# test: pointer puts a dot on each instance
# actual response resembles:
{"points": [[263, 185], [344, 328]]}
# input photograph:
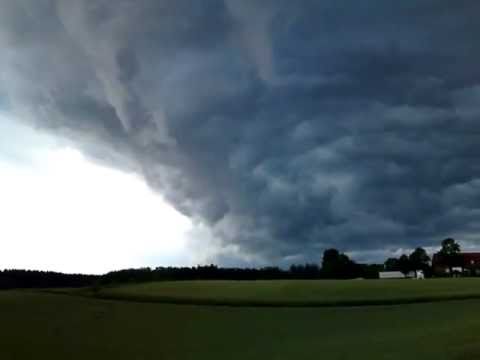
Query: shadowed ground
{"points": [[48, 326]]}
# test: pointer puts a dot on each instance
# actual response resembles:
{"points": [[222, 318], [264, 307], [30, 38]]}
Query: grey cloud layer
{"points": [[285, 126]]}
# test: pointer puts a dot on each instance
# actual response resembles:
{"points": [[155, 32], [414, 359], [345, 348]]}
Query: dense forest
{"points": [[10, 279]]}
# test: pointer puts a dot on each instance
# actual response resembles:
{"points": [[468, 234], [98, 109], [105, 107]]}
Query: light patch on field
{"points": [[61, 212]]}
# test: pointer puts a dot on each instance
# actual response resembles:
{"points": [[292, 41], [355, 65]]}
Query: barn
{"points": [[391, 275], [465, 262], [399, 275]]}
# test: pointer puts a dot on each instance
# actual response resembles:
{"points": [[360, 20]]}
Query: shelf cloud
{"points": [[283, 127]]}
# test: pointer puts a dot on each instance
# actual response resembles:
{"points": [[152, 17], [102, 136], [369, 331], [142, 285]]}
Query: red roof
{"points": [[466, 258], [472, 258]]}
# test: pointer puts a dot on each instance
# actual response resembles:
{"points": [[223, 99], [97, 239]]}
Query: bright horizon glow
{"points": [[61, 212]]}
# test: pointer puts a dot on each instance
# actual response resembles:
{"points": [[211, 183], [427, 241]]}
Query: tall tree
{"points": [[450, 253], [338, 265], [330, 261], [404, 264], [419, 259]]}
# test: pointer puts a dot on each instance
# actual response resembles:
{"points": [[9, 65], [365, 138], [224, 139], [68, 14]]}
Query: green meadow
{"points": [[78, 325], [298, 292]]}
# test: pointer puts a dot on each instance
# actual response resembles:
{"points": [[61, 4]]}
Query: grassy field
{"points": [[38, 325], [299, 293]]}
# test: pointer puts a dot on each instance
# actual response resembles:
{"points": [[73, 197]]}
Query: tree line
{"points": [[10, 279], [214, 272], [334, 265]]}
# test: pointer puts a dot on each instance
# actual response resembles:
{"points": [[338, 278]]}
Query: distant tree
{"points": [[404, 264], [370, 271], [330, 258], [391, 264], [337, 265], [307, 271], [331, 263], [419, 259], [450, 253], [450, 247]]}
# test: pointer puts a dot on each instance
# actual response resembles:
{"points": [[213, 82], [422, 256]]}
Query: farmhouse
{"points": [[463, 262]]}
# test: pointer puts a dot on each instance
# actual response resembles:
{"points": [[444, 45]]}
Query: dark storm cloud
{"points": [[286, 127]]}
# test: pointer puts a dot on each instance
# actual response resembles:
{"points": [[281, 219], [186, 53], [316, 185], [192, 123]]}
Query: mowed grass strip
{"points": [[298, 293]]}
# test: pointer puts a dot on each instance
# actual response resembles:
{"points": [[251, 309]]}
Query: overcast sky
{"points": [[235, 131]]}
